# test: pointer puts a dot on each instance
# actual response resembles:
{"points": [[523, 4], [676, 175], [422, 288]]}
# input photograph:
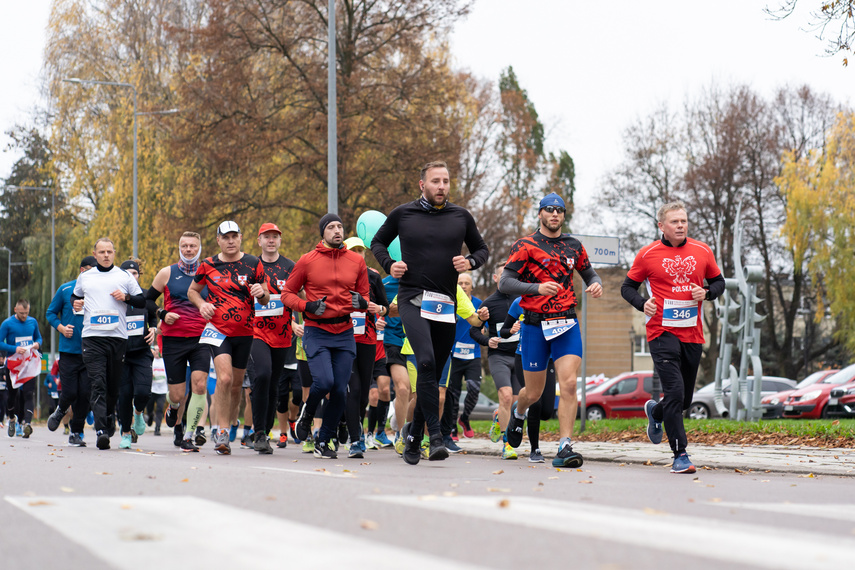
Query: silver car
{"points": [[703, 401]]}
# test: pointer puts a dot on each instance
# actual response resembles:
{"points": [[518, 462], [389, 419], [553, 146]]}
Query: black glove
{"points": [[358, 302], [317, 307]]}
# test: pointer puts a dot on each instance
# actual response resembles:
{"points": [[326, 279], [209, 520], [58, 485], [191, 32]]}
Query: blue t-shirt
{"points": [[463, 341], [394, 331], [515, 311], [14, 333], [61, 312]]}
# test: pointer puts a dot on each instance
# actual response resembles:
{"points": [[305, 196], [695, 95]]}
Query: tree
{"points": [[834, 21]]}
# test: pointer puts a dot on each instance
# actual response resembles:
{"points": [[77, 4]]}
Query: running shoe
{"points": [[425, 449], [157, 430], [437, 450], [410, 447], [55, 419], [536, 456], [66, 430], [399, 444], [382, 440], [654, 428], [283, 440], [369, 442], [28, 431], [11, 427], [221, 443], [342, 432], [514, 434], [467, 429], [76, 440], [356, 451], [103, 440], [246, 440], [178, 432], [292, 426], [454, 436], [567, 457], [139, 423], [19, 431], [200, 436], [90, 418], [323, 450], [261, 443], [126, 441], [233, 431], [304, 424], [508, 452], [308, 446], [187, 446], [495, 430], [170, 416], [111, 425], [450, 445], [134, 436], [682, 464]]}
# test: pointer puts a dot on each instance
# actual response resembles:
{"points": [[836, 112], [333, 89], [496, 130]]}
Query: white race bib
{"points": [[274, 308], [104, 320], [682, 314], [381, 335], [24, 341], [464, 350], [136, 325], [80, 312], [553, 328], [513, 338], [437, 307], [358, 320], [210, 335]]}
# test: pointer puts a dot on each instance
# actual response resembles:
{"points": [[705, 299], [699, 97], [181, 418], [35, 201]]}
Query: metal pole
{"points": [[52, 270], [136, 242], [332, 134], [9, 284]]}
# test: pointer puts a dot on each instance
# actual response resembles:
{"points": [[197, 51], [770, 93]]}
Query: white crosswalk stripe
{"points": [[129, 530], [714, 539]]}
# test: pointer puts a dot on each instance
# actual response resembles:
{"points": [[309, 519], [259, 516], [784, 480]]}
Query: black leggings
{"points": [[677, 364], [544, 408], [103, 358], [23, 401], [135, 389], [431, 342], [268, 363], [75, 389], [358, 387]]}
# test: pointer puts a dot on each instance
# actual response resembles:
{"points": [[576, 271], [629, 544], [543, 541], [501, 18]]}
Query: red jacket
{"points": [[331, 272]]}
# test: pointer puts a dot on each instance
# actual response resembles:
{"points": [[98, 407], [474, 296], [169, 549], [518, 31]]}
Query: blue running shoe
{"points": [[90, 418], [19, 431], [682, 464], [654, 428], [126, 441], [233, 431], [139, 423], [566, 457], [382, 440]]}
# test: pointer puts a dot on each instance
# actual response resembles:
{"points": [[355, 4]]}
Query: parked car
{"points": [[484, 407], [620, 397], [811, 402], [841, 401], [703, 401], [773, 406]]}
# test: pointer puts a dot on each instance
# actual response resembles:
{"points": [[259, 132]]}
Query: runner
{"points": [[234, 280], [540, 268], [336, 284], [102, 293], [432, 231], [379, 395], [396, 363], [674, 269], [181, 325], [159, 388], [271, 337], [20, 337], [75, 381], [135, 388]]}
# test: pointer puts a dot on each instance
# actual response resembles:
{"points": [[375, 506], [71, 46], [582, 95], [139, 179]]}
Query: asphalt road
{"points": [[85, 508]]}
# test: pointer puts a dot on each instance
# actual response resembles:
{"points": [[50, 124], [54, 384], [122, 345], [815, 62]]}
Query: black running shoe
{"points": [[342, 432], [304, 424], [323, 450], [178, 430], [200, 436], [261, 443], [103, 440], [412, 447], [170, 416], [514, 432], [450, 445], [187, 446], [438, 452], [55, 419], [76, 440], [567, 457]]}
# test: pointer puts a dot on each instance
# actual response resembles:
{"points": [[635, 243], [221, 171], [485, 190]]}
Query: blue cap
{"points": [[552, 199]]}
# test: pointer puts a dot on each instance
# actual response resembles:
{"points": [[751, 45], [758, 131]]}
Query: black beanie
{"points": [[327, 220], [130, 264]]}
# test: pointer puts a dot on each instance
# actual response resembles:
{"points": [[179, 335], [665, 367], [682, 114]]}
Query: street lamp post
{"points": [[8, 283], [52, 254]]}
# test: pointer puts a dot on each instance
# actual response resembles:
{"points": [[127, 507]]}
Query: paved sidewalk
{"points": [[761, 458]]}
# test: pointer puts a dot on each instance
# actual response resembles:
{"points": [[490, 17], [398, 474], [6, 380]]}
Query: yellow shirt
{"points": [[465, 309]]}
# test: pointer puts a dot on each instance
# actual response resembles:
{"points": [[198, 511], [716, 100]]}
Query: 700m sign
{"points": [[601, 249]]}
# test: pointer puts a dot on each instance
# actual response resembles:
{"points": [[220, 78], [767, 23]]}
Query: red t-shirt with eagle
{"points": [[228, 290], [669, 273]]}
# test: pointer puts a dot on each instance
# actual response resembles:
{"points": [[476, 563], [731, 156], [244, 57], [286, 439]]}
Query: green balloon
{"points": [[368, 224]]}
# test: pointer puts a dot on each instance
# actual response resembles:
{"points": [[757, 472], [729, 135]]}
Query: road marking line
{"points": [[323, 473], [123, 531], [834, 511], [714, 539]]}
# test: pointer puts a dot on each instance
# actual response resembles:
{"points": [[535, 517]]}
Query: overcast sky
{"points": [[590, 68]]}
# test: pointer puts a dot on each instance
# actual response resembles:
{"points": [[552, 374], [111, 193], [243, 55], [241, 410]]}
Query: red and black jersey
{"points": [[228, 285], [275, 331], [538, 259]]}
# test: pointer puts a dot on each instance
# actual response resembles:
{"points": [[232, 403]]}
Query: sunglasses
{"points": [[552, 209]]}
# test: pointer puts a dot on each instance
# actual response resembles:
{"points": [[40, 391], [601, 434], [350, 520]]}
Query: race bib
{"points": [[210, 335], [437, 307], [553, 328], [54, 395], [513, 338], [24, 341], [136, 325], [358, 320], [464, 350], [2, 384], [104, 320], [679, 313], [274, 308], [381, 335], [80, 312]]}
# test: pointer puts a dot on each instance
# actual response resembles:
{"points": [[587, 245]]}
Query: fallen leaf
{"points": [[648, 463], [649, 511], [270, 498], [764, 480], [126, 507], [454, 485], [716, 500], [135, 536], [102, 473], [449, 494], [835, 423], [499, 472], [540, 483], [622, 465], [368, 525], [39, 503], [808, 476], [66, 489], [585, 482], [365, 463], [504, 504], [739, 471], [553, 477], [497, 490], [185, 480]]}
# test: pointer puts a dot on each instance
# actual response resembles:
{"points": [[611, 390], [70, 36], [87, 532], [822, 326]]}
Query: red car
{"points": [[623, 396], [841, 402], [773, 405], [811, 401]]}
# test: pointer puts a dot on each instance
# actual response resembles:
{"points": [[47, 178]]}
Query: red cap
{"points": [[269, 227]]}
